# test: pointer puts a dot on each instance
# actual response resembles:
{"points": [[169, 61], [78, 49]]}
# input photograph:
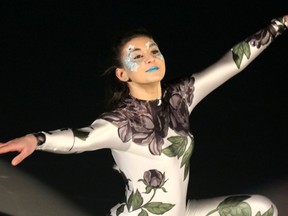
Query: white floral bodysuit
{"points": [[150, 140]]}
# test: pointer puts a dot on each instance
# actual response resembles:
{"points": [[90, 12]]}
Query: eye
{"points": [[136, 57], [155, 52]]}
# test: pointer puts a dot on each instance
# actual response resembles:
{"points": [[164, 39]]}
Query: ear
{"points": [[121, 74]]}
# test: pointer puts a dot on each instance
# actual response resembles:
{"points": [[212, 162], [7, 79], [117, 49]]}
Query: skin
{"points": [[142, 53], [142, 85], [24, 145]]}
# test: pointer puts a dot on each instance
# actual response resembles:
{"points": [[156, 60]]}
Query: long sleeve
{"points": [[100, 134], [103, 134], [235, 60]]}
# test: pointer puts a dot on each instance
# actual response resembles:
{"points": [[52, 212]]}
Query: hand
{"points": [[286, 18], [25, 145]]}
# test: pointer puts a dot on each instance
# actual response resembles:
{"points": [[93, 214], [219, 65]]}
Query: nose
{"points": [[149, 59]]}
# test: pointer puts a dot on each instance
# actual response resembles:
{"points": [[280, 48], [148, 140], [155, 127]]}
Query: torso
{"points": [[155, 165]]}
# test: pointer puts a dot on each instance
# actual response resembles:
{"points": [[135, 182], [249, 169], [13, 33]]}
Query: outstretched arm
{"points": [[234, 61], [101, 134]]}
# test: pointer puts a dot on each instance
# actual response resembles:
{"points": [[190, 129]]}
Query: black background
{"points": [[52, 56]]}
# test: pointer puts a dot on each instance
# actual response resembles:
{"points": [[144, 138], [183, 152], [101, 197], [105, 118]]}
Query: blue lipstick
{"points": [[152, 69]]}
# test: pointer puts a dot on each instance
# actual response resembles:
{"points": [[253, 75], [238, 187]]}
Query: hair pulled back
{"points": [[117, 90]]}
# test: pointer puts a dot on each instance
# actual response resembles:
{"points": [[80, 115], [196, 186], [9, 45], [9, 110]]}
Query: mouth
{"points": [[152, 69]]}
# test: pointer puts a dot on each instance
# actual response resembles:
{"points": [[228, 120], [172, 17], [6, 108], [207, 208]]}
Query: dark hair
{"points": [[117, 90]]}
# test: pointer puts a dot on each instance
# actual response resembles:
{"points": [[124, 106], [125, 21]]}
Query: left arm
{"points": [[234, 61]]}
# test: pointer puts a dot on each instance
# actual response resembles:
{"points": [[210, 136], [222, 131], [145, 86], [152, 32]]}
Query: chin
{"points": [[154, 80]]}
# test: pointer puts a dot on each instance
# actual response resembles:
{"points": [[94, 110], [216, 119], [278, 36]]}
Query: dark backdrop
{"points": [[52, 56]]}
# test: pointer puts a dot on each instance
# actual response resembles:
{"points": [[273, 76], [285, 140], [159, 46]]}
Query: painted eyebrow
{"points": [[135, 49], [138, 49], [153, 44]]}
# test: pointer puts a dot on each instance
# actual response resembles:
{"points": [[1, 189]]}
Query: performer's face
{"points": [[143, 61]]}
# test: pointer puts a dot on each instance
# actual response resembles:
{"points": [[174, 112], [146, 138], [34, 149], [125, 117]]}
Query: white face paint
{"points": [[128, 60], [150, 44], [134, 56]]}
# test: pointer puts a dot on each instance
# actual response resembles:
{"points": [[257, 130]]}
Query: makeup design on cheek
{"points": [[128, 62], [150, 44]]}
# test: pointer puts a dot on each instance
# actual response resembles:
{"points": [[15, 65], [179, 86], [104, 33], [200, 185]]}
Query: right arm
{"points": [[101, 134]]}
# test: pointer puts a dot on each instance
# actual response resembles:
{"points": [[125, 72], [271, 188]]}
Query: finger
{"points": [[18, 159], [4, 148], [10, 147]]}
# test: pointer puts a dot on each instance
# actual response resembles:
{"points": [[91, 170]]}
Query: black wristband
{"points": [[41, 138]]}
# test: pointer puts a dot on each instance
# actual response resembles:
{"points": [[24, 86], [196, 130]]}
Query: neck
{"points": [[146, 92]]}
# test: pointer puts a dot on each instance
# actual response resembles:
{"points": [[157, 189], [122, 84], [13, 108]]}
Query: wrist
{"points": [[40, 138]]}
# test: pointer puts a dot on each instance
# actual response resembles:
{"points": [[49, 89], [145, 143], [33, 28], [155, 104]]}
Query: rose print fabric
{"points": [[147, 122], [158, 129], [151, 141]]}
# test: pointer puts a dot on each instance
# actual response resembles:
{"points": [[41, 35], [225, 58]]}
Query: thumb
{"points": [[18, 159]]}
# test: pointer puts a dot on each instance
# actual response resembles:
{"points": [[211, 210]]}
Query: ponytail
{"points": [[116, 90]]}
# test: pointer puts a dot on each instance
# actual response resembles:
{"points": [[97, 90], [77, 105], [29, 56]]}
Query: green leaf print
{"points": [[148, 189], [158, 208], [120, 209], [143, 213], [269, 212], [178, 148], [135, 200], [239, 50], [80, 134], [233, 206], [186, 161]]}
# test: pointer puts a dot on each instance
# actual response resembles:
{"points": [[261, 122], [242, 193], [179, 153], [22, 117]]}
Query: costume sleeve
{"points": [[235, 60], [100, 134]]}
